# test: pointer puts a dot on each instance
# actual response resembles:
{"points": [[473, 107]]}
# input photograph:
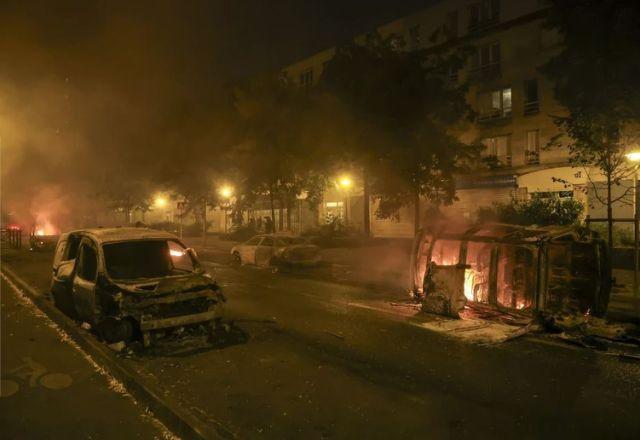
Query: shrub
{"points": [[536, 211]]}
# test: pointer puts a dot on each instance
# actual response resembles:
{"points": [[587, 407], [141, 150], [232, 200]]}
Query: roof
{"points": [[105, 235]]}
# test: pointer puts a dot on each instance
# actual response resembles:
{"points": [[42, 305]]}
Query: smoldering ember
{"points": [[320, 219]]}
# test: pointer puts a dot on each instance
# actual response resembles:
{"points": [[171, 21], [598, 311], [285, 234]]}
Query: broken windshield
{"points": [[146, 259]]}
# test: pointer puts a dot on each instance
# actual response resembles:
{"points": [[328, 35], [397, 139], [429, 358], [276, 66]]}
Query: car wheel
{"points": [[236, 260], [64, 302]]}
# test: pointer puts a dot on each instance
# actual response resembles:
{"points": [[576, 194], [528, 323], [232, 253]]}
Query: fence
{"points": [[636, 256], [12, 236]]}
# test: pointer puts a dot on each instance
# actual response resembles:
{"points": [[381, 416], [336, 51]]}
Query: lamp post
{"points": [[345, 183], [634, 157], [226, 192]]}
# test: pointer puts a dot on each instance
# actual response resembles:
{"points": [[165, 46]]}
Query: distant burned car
{"points": [[39, 241], [527, 269], [133, 282], [273, 250]]}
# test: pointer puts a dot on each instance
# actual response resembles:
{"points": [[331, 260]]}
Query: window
{"points": [[485, 62], [72, 247], [88, 263], [497, 151], [306, 78], [137, 259], [483, 14], [267, 241], [451, 25], [180, 258], [452, 73], [532, 147], [495, 104], [414, 36], [254, 241], [531, 103]]}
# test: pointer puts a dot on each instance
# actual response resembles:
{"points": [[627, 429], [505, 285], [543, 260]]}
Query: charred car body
{"points": [[524, 269], [276, 250], [131, 282]]}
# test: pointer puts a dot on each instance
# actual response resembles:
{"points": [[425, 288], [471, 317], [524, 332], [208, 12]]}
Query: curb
{"points": [[181, 422]]}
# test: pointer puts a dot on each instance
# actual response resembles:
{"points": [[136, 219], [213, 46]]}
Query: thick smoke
{"points": [[93, 93]]}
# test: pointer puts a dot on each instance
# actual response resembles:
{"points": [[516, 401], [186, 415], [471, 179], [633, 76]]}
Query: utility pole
{"points": [[636, 239], [365, 195]]}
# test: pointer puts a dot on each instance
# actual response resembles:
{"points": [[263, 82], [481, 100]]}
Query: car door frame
{"points": [[248, 251], [264, 252], [83, 290]]}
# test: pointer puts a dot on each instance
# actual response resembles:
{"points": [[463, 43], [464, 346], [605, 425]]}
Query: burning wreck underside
{"points": [[511, 268]]}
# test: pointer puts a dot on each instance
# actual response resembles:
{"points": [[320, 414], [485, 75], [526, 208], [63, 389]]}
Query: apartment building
{"points": [[513, 100]]}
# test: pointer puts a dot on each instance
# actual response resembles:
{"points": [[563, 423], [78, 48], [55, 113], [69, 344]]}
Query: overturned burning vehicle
{"points": [[512, 268], [133, 282]]}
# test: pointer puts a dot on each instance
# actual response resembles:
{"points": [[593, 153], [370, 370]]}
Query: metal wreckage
{"points": [[134, 284], [515, 269]]}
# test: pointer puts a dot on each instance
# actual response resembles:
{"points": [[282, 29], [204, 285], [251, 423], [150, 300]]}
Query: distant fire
{"points": [[174, 253], [45, 227]]}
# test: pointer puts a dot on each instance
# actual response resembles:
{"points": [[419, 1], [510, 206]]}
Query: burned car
{"points": [[276, 250], [133, 282], [512, 268], [41, 241]]}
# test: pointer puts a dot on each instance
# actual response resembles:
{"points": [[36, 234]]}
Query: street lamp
{"points": [[634, 157], [226, 192], [160, 202], [345, 183]]}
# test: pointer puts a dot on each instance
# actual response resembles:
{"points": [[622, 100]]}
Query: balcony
{"points": [[495, 115], [494, 161], [481, 25], [532, 157], [486, 72], [531, 107]]}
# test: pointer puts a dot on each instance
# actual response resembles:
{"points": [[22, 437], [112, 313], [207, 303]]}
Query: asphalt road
{"points": [[326, 360]]}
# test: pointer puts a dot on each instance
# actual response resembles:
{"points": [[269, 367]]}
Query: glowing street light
{"points": [[226, 191], [345, 182], [160, 202], [634, 156]]}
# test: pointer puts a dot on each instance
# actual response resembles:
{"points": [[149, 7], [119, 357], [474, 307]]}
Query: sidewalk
{"points": [[51, 390]]}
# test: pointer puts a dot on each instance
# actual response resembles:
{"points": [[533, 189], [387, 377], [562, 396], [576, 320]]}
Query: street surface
{"points": [[329, 360]]}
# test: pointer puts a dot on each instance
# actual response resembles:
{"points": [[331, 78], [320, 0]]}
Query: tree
{"points": [[596, 75], [273, 156], [403, 110]]}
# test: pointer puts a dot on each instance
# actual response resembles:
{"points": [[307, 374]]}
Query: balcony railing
{"points": [[532, 157], [477, 26], [486, 72], [531, 107], [494, 115], [495, 161]]}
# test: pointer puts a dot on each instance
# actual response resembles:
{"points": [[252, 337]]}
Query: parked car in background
{"points": [[275, 250], [133, 282]]}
